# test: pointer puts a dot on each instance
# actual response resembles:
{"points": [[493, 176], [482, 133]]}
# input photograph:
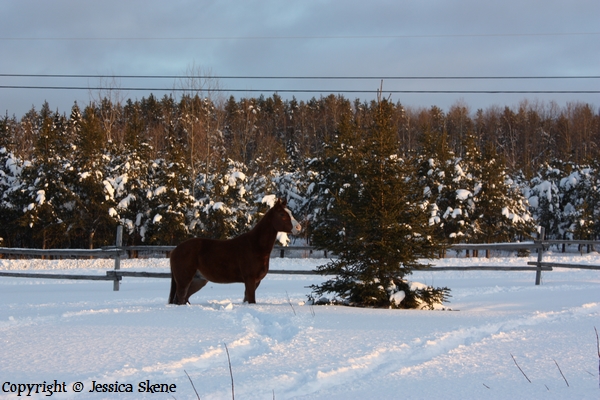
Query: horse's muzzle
{"points": [[296, 227]]}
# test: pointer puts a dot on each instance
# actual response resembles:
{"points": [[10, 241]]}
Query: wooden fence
{"points": [[119, 251]]}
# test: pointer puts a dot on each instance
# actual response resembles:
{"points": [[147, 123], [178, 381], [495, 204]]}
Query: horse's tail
{"points": [[173, 291]]}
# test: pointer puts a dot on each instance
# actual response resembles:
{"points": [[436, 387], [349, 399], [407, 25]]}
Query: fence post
{"points": [[118, 244], [538, 272]]}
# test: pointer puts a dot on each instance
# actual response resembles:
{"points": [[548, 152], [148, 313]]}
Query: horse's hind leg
{"points": [[172, 294], [178, 291], [250, 293], [197, 283]]}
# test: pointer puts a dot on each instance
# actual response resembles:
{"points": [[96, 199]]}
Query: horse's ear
{"points": [[283, 202]]}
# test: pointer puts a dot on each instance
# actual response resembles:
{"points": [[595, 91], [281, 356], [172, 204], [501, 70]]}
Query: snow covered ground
{"points": [[83, 331]]}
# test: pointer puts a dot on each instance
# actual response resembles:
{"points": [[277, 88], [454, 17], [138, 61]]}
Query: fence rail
{"points": [[497, 246], [65, 253], [106, 277], [118, 251], [112, 251], [487, 268], [563, 265]]}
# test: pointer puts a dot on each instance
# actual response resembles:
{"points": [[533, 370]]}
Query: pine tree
{"points": [[544, 200], [580, 202], [46, 196], [10, 170], [373, 215], [446, 186], [6, 139], [227, 202], [500, 213], [169, 202], [172, 208], [593, 201], [127, 180], [90, 223]]}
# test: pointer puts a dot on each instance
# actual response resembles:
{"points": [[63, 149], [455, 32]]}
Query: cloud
{"points": [[302, 38]]}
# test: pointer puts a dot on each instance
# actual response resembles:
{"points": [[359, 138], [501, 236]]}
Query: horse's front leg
{"points": [[250, 293]]}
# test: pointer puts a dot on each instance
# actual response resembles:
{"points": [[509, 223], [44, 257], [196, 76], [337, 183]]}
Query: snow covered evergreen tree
{"points": [[446, 187], [169, 202], [90, 224], [10, 181], [592, 202], [45, 196], [372, 214], [579, 201], [227, 203], [127, 180], [543, 196], [500, 212]]}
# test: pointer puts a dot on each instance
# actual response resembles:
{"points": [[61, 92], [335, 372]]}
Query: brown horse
{"points": [[244, 259]]}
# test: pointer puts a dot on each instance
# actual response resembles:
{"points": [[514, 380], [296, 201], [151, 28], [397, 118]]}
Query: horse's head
{"points": [[283, 220]]}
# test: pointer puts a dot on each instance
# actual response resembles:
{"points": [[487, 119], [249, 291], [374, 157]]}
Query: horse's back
{"points": [[193, 250], [218, 261]]}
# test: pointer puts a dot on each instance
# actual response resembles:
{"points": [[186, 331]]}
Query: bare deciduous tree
{"points": [[201, 120], [108, 101]]}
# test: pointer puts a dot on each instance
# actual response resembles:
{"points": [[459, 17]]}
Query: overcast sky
{"points": [[368, 38]]}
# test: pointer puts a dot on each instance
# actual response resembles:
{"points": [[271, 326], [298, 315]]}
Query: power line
{"points": [[224, 77], [298, 37], [151, 89], [305, 78]]}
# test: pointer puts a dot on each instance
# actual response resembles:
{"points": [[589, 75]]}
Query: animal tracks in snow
{"points": [[86, 332], [309, 359], [391, 359]]}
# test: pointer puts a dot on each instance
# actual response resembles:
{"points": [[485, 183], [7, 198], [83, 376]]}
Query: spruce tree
{"points": [[446, 186], [500, 213], [544, 200], [593, 201], [90, 224], [227, 202], [580, 202], [171, 205], [45, 197], [169, 202], [373, 215], [10, 169], [127, 183]]}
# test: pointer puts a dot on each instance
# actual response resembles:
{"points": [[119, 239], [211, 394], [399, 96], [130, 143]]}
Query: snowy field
{"points": [[84, 332]]}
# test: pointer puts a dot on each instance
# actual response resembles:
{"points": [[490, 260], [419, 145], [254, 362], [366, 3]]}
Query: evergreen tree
{"points": [[446, 186], [227, 201], [46, 197], [170, 202], [90, 224], [580, 202], [543, 197], [127, 183], [373, 215], [500, 213], [10, 182], [6, 137], [593, 201]]}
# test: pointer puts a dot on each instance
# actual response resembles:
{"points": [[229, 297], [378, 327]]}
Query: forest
{"points": [[199, 165]]}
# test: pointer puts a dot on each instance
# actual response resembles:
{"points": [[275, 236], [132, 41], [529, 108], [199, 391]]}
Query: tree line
{"points": [[249, 129], [168, 168]]}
